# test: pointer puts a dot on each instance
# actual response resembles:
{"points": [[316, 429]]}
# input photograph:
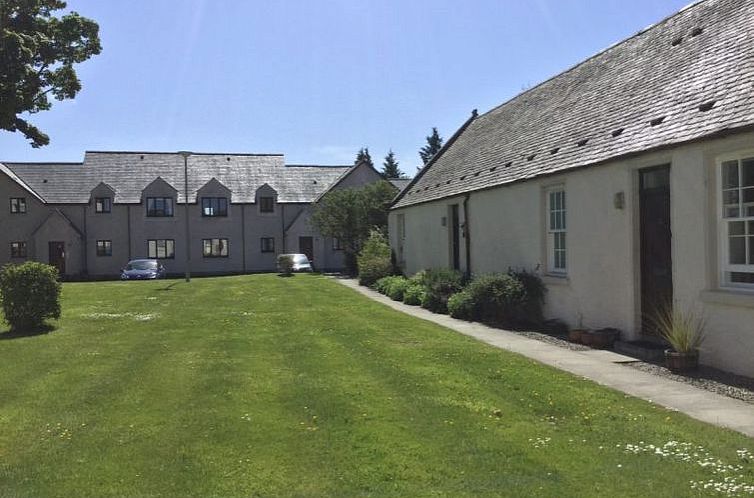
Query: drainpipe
{"points": [[128, 222], [467, 234], [185, 155], [282, 223], [243, 236], [86, 246]]}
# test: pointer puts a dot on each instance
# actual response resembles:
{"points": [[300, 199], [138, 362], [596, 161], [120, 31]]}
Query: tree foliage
{"points": [[349, 214], [434, 144], [37, 54], [390, 167], [363, 155]]}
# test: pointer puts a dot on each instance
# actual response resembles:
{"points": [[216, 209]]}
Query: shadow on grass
{"points": [[20, 334], [168, 287]]}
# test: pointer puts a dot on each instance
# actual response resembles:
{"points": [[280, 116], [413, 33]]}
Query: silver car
{"points": [[301, 263]]}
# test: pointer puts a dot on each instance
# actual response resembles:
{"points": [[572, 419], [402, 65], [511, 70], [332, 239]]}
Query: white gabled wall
{"points": [[507, 227]]}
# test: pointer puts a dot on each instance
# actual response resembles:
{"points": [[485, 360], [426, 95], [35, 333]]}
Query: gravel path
{"points": [[711, 379]]}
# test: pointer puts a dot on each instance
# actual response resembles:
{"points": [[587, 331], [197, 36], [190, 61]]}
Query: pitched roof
{"points": [[129, 172], [688, 77]]}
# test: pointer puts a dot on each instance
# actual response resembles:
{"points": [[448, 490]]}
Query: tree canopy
{"points": [[37, 54], [363, 155], [349, 214], [434, 144], [390, 167]]}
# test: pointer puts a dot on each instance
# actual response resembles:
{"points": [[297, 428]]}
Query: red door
{"points": [[57, 256]]}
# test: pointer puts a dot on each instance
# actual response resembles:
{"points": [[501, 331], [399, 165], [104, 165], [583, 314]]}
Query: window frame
{"points": [[21, 251], [166, 242], [723, 224], [556, 236], [264, 207], [104, 248], [337, 245], [20, 205], [222, 207], [224, 247], [270, 248], [152, 213], [105, 207]]}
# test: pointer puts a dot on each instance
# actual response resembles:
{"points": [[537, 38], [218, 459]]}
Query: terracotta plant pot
{"points": [[574, 335], [681, 362], [600, 339], [586, 337]]}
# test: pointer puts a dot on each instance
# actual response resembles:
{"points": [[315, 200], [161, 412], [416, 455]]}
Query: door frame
{"points": [[58, 244], [311, 239]]}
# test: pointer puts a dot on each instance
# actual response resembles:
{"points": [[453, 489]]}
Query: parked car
{"points": [[300, 262], [142, 269]]}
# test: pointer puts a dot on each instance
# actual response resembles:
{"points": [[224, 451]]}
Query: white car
{"points": [[300, 262]]}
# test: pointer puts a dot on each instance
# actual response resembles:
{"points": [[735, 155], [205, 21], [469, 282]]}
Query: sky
{"points": [[314, 80]]}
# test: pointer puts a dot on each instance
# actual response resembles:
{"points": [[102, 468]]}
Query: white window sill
{"points": [[729, 297], [555, 279]]}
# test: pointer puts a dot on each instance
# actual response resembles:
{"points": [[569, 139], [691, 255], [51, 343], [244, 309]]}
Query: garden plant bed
{"points": [[268, 386]]}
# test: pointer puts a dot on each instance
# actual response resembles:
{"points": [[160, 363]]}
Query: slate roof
{"points": [[129, 172], [650, 91]]}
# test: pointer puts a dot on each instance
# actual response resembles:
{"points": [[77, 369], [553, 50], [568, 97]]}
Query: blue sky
{"points": [[315, 80]]}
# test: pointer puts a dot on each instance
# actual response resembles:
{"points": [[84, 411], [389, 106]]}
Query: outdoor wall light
{"points": [[619, 200], [444, 221]]}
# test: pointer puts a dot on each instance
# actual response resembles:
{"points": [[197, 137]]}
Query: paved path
{"points": [[599, 366]]}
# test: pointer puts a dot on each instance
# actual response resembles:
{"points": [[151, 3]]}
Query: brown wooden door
{"points": [[57, 256], [306, 246], [656, 244]]}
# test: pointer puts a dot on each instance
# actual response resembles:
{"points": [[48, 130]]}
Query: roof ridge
{"points": [[275, 154]]}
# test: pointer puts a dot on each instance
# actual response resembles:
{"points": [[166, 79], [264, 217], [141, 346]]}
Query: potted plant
{"points": [[601, 338], [685, 334]]}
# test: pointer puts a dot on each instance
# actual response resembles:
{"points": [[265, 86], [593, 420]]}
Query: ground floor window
{"points": [[104, 248], [215, 248], [336, 244], [268, 244], [737, 220], [18, 249], [161, 248], [556, 230]]}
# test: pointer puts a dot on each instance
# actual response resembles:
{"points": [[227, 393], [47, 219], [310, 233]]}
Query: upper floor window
{"points": [[104, 248], [556, 230], [214, 206], [215, 248], [159, 206], [18, 205], [266, 204], [161, 248], [18, 249], [737, 221], [102, 204]]}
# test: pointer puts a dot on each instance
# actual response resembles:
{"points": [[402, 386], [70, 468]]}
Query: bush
{"points": [[396, 288], [531, 310], [285, 265], [461, 305], [496, 298], [414, 293], [374, 259], [382, 284], [30, 294], [439, 285]]}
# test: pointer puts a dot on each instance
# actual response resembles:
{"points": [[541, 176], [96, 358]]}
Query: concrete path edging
{"points": [[602, 367]]}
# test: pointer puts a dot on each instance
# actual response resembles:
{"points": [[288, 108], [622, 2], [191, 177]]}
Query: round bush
{"points": [[414, 293], [439, 285], [396, 288], [461, 305], [374, 259], [498, 298], [30, 293]]}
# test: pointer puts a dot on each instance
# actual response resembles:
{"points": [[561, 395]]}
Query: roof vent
{"points": [[617, 132], [447, 182], [531, 157], [437, 185], [227, 158], [314, 182], [676, 41], [44, 181], [707, 106], [476, 174], [141, 157], [554, 151], [696, 31], [493, 168], [509, 164], [582, 142], [657, 121], [463, 177]]}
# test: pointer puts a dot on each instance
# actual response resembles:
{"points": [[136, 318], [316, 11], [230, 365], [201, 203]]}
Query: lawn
{"points": [[266, 386]]}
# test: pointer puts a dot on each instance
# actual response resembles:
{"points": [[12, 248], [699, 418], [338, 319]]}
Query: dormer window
{"points": [[102, 204], [18, 205], [159, 207], [266, 205], [214, 206]]}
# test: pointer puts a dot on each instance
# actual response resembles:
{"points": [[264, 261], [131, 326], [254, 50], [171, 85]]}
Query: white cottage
{"points": [[627, 180]]}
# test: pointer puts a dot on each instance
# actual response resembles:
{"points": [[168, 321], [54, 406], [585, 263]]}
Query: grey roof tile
{"points": [[129, 172], [624, 87]]}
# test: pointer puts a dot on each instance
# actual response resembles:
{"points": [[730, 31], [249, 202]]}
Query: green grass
{"points": [[265, 386]]}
